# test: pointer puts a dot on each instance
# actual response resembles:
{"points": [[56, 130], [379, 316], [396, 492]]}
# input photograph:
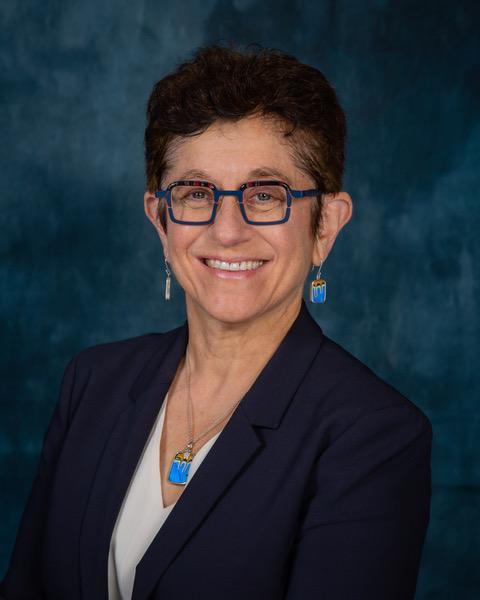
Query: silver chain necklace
{"points": [[181, 462]]}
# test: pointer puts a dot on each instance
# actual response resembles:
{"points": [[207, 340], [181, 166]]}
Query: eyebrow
{"points": [[258, 172], [269, 172]]}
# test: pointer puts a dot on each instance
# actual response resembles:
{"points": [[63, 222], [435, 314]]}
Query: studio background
{"points": [[81, 265]]}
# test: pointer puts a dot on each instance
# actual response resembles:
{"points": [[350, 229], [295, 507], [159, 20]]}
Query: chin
{"points": [[229, 310]]}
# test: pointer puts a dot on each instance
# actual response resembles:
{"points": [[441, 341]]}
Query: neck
{"points": [[230, 355]]}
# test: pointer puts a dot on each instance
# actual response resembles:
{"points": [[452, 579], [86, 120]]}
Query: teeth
{"points": [[236, 266]]}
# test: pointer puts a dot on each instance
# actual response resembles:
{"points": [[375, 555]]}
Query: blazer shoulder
{"points": [[129, 351], [353, 389]]}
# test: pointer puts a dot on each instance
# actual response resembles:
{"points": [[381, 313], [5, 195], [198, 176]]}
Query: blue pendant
{"points": [[318, 290], [180, 467]]}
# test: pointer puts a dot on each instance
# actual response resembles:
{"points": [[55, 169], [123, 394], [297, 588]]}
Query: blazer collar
{"points": [[123, 442], [281, 376]]}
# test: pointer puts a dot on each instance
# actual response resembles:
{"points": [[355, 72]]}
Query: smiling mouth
{"points": [[244, 265]]}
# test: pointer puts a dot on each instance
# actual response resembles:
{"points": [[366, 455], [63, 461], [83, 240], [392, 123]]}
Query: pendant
{"points": [[181, 467]]}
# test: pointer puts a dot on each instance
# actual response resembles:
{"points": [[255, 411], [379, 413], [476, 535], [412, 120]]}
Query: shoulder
{"points": [[120, 351], [346, 391], [122, 358], [126, 349], [100, 376]]}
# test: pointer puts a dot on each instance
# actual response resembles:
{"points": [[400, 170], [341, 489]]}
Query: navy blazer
{"points": [[318, 487]]}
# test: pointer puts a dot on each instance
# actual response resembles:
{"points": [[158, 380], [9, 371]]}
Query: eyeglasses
{"points": [[261, 202]]}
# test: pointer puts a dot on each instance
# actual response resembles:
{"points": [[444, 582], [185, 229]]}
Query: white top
{"points": [[142, 513]]}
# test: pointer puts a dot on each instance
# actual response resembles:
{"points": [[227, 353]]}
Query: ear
{"points": [[150, 203], [337, 211]]}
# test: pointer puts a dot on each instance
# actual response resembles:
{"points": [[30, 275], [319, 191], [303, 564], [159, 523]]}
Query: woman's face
{"points": [[227, 155]]}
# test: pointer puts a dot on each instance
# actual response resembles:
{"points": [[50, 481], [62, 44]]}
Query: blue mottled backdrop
{"points": [[81, 264]]}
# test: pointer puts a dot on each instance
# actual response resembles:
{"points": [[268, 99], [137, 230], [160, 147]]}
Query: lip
{"points": [[223, 274], [230, 260]]}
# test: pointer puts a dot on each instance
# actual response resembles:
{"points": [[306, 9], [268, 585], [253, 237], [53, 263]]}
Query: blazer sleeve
{"points": [[362, 532], [22, 580]]}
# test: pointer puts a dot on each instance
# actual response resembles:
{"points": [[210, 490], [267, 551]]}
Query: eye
{"points": [[263, 196], [198, 195], [266, 195]]}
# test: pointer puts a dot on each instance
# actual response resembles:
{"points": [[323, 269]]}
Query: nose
{"points": [[229, 225], [229, 206]]}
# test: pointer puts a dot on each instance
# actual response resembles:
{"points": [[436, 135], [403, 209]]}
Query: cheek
{"points": [[179, 240], [184, 246], [302, 226], [294, 250]]}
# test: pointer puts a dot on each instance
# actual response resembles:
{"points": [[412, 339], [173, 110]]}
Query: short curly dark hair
{"points": [[231, 84]]}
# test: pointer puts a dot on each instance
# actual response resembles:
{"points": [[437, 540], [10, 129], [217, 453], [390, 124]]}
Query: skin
{"points": [[235, 325]]}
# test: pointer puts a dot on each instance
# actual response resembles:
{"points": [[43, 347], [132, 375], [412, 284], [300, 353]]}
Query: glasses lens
{"points": [[192, 202], [264, 203]]}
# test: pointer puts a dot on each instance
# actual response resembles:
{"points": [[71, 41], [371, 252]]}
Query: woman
{"points": [[243, 454]]}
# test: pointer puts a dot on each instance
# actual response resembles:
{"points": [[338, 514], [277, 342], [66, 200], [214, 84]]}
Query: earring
{"points": [[318, 288], [167, 282]]}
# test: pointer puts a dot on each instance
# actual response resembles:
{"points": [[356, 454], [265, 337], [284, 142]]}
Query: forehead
{"points": [[230, 151]]}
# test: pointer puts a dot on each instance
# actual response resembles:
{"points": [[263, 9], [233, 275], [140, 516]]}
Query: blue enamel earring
{"points": [[318, 288]]}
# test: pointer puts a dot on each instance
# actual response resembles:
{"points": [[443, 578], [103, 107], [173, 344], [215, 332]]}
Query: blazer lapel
{"points": [[262, 406], [123, 442]]}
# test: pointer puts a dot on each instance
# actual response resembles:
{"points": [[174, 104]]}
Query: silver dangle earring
{"points": [[318, 288], [167, 282]]}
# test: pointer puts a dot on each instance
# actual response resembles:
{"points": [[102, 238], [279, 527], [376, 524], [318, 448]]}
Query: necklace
{"points": [[182, 460]]}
